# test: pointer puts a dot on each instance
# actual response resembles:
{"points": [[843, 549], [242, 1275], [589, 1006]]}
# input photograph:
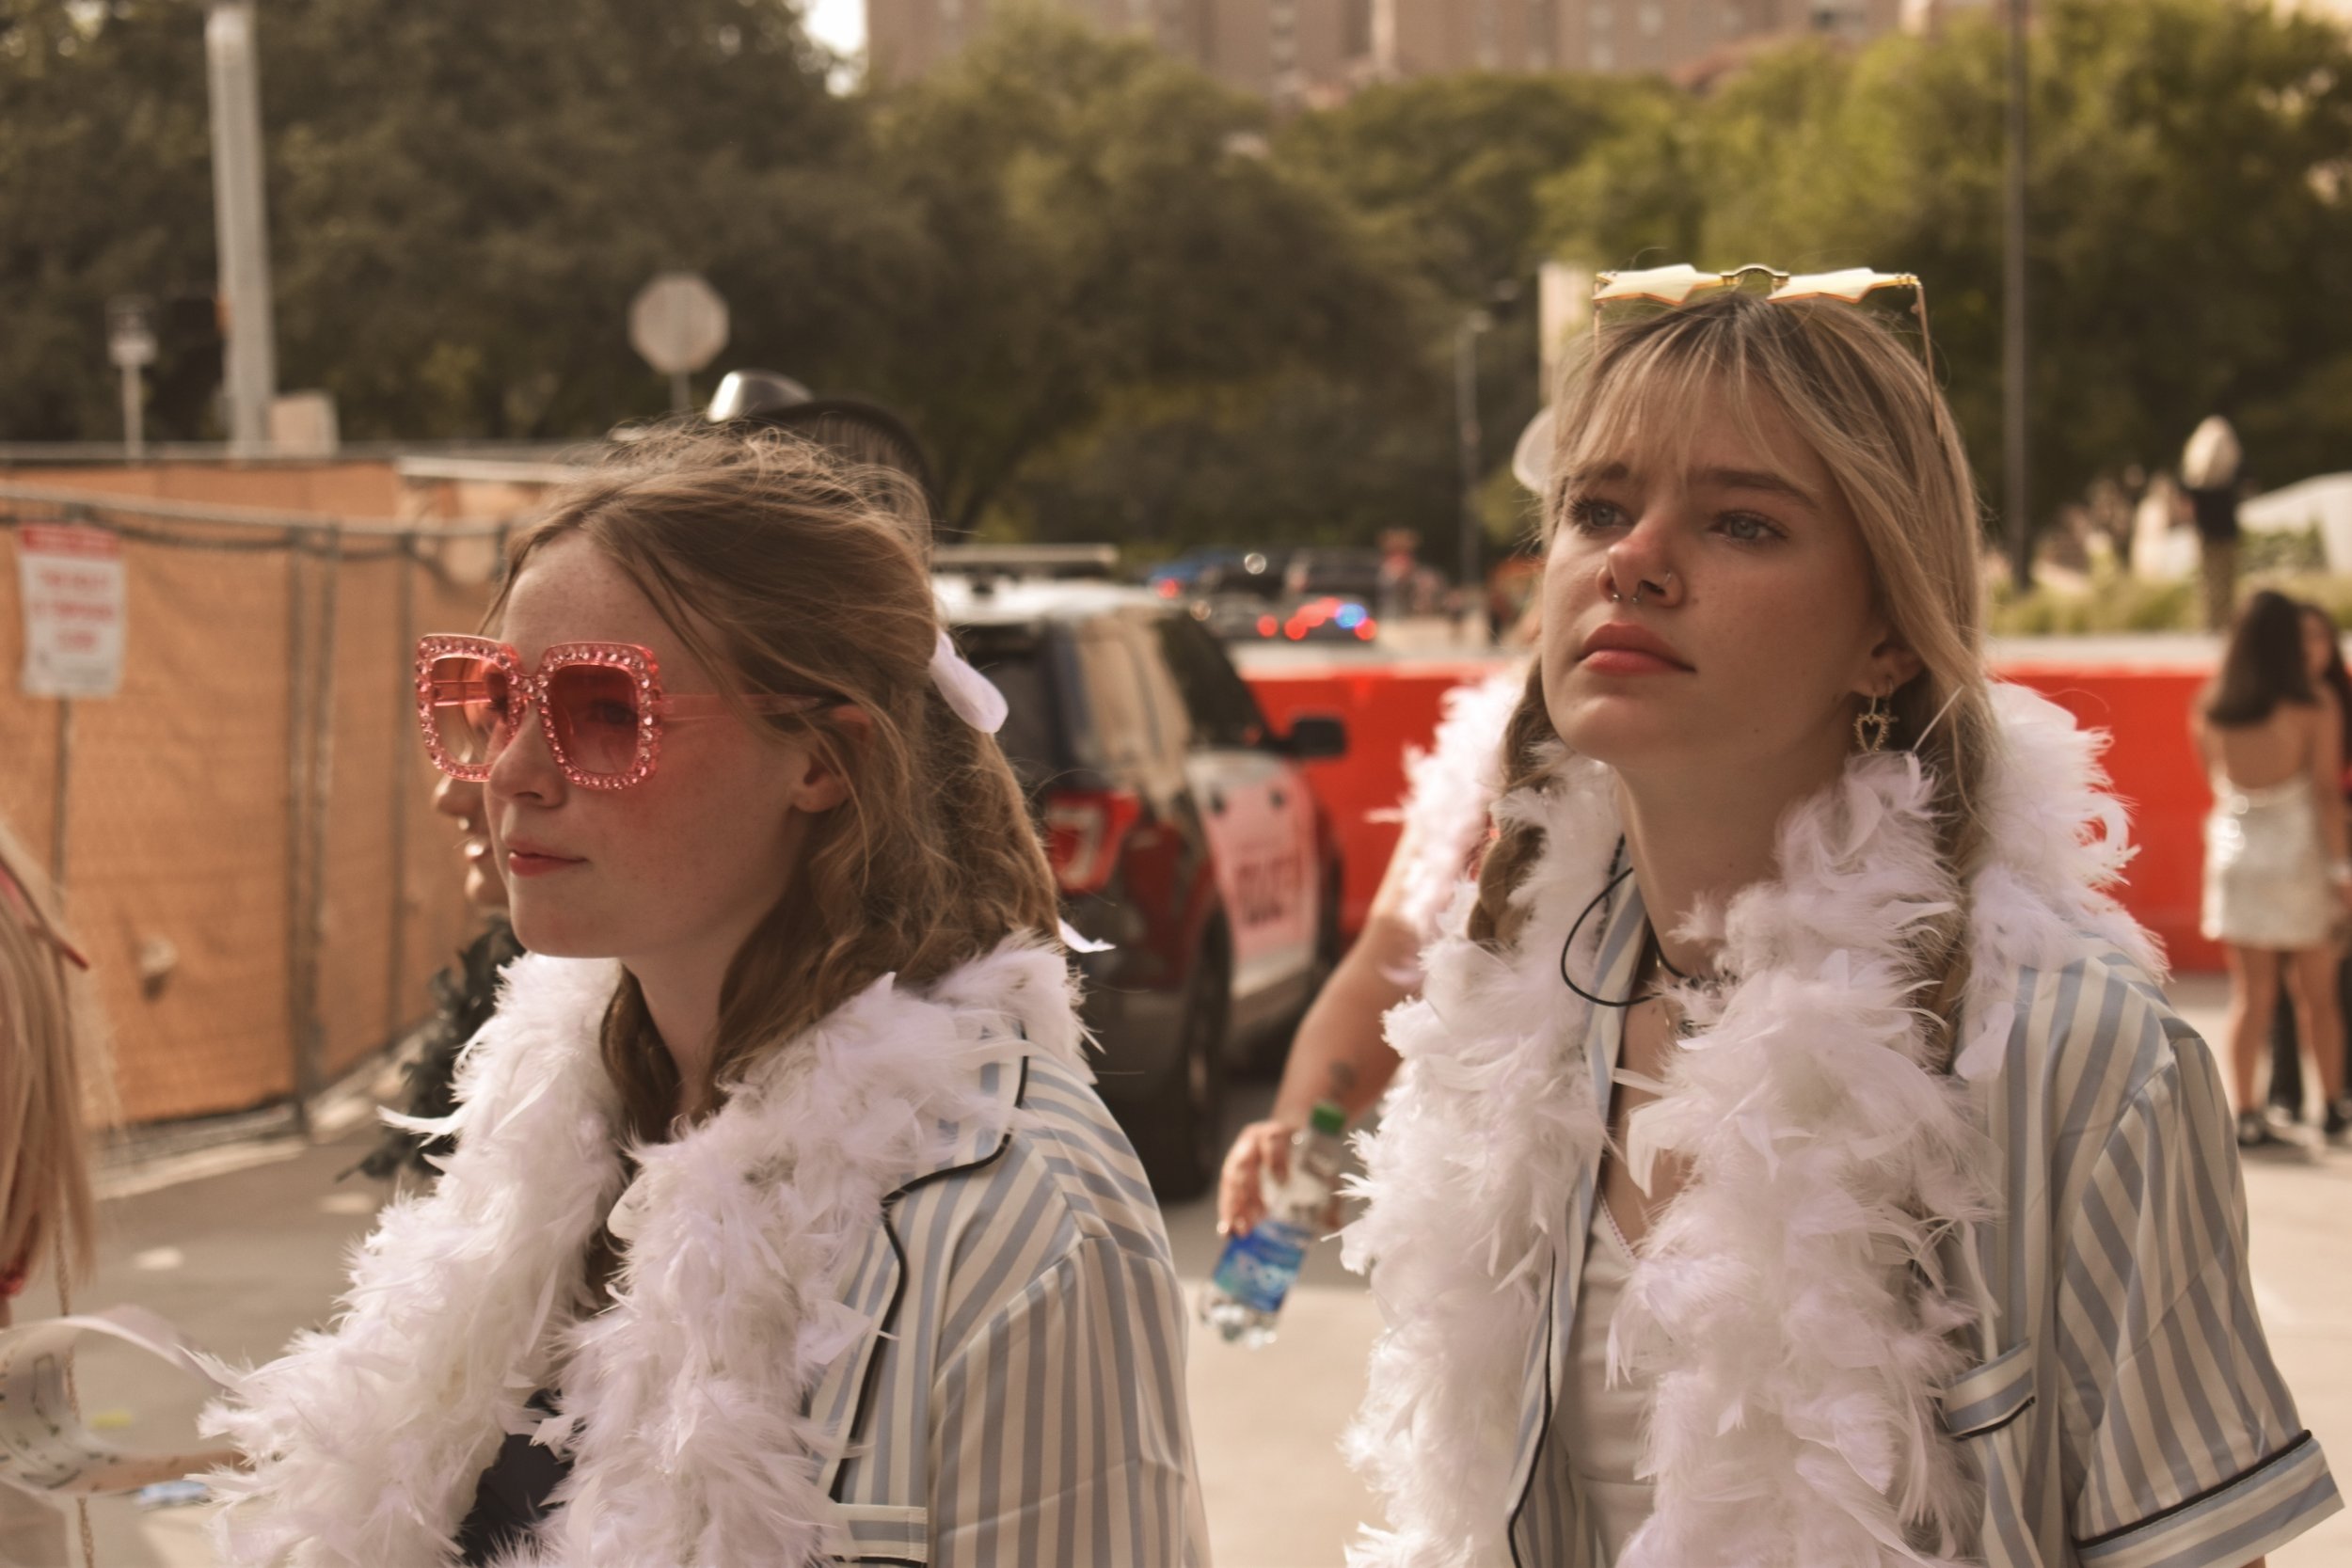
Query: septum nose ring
{"points": [[1659, 588]]}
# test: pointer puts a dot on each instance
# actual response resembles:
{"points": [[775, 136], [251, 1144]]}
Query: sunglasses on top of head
{"points": [[601, 705]]}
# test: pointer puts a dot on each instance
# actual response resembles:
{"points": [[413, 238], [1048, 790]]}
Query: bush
{"points": [[2112, 604]]}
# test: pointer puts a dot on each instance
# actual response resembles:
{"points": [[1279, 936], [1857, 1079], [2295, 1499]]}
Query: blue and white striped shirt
{"points": [[1021, 1399], [2126, 1412]]}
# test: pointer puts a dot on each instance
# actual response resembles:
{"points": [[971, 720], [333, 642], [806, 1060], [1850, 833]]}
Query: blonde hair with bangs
{"points": [[1860, 398], [784, 570]]}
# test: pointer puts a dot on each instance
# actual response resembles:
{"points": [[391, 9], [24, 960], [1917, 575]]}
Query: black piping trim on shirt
{"points": [[1543, 1432], [1990, 1427], [899, 1286], [2299, 1440]]}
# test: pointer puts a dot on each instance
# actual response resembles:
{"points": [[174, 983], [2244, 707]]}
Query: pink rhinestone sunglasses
{"points": [[601, 705]]}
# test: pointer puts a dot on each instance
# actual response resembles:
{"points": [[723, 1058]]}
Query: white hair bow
{"points": [[973, 695]]}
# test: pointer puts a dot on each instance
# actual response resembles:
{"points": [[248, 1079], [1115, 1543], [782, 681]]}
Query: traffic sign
{"points": [[130, 331], [677, 323]]}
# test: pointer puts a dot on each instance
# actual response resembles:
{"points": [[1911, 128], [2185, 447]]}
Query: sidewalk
{"points": [[242, 1260]]}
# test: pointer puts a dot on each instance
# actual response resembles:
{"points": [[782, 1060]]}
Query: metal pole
{"points": [[404, 704], [309, 1067], [2017, 452], [61, 798], [681, 393], [1468, 441], [298, 772], [134, 412], [241, 223]]}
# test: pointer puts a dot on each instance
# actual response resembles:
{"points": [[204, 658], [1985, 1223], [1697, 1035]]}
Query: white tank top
{"points": [[1598, 1427]]}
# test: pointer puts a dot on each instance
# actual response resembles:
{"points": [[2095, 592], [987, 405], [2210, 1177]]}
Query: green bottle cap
{"points": [[1328, 1118]]}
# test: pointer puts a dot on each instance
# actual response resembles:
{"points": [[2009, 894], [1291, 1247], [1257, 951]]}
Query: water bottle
{"points": [[1257, 1270]]}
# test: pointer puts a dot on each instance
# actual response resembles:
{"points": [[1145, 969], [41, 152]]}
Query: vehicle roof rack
{"points": [[1017, 562]]}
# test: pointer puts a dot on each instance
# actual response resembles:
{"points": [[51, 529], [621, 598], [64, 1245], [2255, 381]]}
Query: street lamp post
{"points": [[131, 344], [2016, 435], [241, 223]]}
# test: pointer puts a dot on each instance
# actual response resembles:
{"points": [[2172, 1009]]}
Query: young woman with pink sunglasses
{"points": [[783, 1224], [1795, 1162]]}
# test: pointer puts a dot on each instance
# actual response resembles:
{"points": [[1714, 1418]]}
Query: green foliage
{"points": [[2114, 604], [1117, 299], [462, 199], [1086, 233], [1449, 171], [2188, 196]]}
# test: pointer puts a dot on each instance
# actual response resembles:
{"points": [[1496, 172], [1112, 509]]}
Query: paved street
{"points": [[243, 1257]]}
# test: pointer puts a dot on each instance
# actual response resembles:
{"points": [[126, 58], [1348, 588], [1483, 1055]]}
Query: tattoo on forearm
{"points": [[1342, 1077]]}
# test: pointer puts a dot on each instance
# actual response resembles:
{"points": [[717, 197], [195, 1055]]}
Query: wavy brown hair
{"points": [[49, 1049], [784, 570], [1860, 398]]}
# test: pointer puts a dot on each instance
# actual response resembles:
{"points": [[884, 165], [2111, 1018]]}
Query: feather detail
{"points": [[1789, 1313], [1448, 789], [680, 1402]]}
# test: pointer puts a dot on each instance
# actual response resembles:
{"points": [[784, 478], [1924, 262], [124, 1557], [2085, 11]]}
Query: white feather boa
{"points": [[1448, 789], [1793, 1366], [681, 1401]]}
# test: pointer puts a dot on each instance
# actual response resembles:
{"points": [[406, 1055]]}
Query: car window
{"points": [[1170, 712], [1016, 658], [1224, 711], [1116, 733]]}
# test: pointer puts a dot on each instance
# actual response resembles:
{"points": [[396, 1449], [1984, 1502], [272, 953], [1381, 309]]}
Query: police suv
{"points": [[1179, 826]]}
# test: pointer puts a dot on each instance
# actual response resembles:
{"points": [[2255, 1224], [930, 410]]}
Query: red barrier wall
{"points": [[2145, 708]]}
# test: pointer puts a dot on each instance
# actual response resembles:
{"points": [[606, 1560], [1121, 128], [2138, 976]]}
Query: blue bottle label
{"points": [[1257, 1269]]}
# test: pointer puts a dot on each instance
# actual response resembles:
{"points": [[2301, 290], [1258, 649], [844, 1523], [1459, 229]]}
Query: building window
{"points": [[1653, 17], [1604, 55], [1601, 19]]}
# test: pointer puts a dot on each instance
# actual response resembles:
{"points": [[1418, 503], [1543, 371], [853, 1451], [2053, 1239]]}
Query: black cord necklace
{"points": [[1615, 877], [1653, 947]]}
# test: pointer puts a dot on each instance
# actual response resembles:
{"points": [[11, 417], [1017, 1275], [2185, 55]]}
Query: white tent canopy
{"points": [[2323, 501]]}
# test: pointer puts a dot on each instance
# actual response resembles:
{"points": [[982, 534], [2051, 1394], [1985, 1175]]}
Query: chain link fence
{"points": [[245, 833]]}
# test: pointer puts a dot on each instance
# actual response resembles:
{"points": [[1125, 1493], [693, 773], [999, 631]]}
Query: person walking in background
{"points": [[2277, 876], [47, 1215], [2209, 473], [1337, 1052], [464, 995], [2332, 681]]}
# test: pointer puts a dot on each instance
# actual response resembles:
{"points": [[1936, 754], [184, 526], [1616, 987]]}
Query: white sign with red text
{"points": [[71, 581]]}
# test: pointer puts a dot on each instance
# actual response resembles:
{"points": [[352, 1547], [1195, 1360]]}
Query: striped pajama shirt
{"points": [[2124, 1411], [1022, 1402]]}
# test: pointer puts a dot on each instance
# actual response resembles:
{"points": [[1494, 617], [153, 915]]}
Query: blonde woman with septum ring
{"points": [[1795, 1162], [782, 1224]]}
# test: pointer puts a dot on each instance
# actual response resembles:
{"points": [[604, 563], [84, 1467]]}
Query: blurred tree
{"points": [[1449, 171], [2192, 188], [106, 181], [1089, 231], [462, 199]]}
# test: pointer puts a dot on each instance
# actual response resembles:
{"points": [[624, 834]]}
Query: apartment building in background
{"points": [[1314, 52]]}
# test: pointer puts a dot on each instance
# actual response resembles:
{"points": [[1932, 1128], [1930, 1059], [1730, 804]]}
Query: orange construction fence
{"points": [[1390, 706]]}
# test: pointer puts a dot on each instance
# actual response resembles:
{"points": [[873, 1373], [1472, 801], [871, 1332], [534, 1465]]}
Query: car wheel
{"points": [[1178, 1127]]}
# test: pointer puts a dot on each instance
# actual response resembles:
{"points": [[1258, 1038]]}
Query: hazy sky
{"points": [[838, 23]]}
